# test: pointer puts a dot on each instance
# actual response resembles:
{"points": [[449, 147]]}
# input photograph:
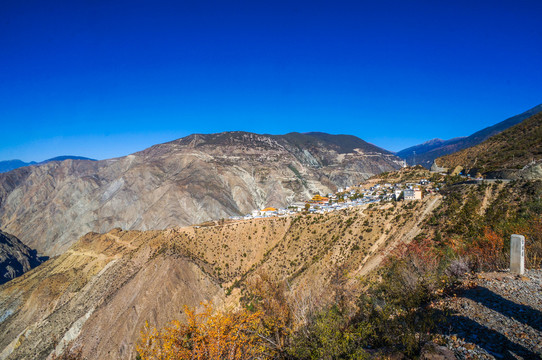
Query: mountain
{"points": [[100, 292], [15, 257], [8, 165], [186, 181], [424, 154], [514, 153], [412, 154], [66, 157]]}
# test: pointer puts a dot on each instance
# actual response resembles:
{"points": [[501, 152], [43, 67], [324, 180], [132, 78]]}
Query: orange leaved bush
{"points": [[207, 335], [421, 257], [487, 251]]}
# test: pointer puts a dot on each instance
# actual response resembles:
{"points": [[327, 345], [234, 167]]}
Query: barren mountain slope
{"points": [[110, 284], [187, 181], [100, 292]]}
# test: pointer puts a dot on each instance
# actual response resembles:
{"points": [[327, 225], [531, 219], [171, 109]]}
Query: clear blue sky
{"points": [[107, 78]]}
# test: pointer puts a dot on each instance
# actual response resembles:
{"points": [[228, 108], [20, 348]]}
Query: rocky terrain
{"points": [[424, 154], [15, 257], [98, 294], [496, 316], [186, 181]]}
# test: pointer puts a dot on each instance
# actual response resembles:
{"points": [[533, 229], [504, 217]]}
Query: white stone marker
{"points": [[517, 254]]}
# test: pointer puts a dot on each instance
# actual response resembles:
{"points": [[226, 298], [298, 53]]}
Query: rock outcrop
{"points": [[15, 257], [186, 181]]}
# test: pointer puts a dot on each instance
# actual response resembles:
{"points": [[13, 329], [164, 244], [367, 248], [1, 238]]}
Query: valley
{"points": [[382, 249], [182, 180]]}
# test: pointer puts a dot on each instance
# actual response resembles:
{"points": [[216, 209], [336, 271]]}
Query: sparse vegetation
{"points": [[394, 313]]}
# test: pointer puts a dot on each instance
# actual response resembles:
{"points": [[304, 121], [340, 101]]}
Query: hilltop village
{"points": [[353, 196]]}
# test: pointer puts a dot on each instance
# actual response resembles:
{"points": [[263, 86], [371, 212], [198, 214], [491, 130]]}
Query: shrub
{"points": [[487, 251], [457, 268], [276, 319], [395, 311], [328, 336], [208, 335], [532, 230]]}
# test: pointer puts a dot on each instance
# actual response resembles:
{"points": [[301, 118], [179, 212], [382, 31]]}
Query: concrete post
{"points": [[517, 254]]}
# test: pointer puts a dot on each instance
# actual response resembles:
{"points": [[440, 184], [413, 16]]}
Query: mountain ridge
{"points": [[185, 181], [425, 155], [8, 165], [15, 257], [513, 153]]}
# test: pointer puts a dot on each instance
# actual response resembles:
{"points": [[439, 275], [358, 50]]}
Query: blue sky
{"points": [[107, 78]]}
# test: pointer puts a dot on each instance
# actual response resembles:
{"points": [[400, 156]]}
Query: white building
{"points": [[412, 194]]}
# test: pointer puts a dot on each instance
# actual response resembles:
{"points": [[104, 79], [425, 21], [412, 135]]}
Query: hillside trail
{"points": [[485, 199], [375, 257]]}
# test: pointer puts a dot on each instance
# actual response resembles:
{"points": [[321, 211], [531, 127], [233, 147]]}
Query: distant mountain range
{"points": [[8, 165], [424, 154]]}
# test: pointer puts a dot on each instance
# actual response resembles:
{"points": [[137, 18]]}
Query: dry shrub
{"points": [[487, 252], [269, 299], [395, 312], [457, 268], [491, 251], [419, 261], [532, 230]]}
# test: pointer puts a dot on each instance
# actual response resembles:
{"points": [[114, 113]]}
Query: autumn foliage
{"points": [[206, 335], [487, 251]]}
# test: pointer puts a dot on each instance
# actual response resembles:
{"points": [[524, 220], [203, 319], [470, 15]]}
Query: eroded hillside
{"points": [[183, 182], [101, 291]]}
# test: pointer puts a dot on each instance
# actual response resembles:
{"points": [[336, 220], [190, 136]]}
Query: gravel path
{"points": [[496, 316]]}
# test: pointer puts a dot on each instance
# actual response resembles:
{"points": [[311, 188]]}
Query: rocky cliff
{"points": [[186, 181], [15, 257]]}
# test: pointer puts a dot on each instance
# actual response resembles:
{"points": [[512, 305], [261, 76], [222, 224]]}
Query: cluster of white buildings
{"points": [[344, 199]]}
